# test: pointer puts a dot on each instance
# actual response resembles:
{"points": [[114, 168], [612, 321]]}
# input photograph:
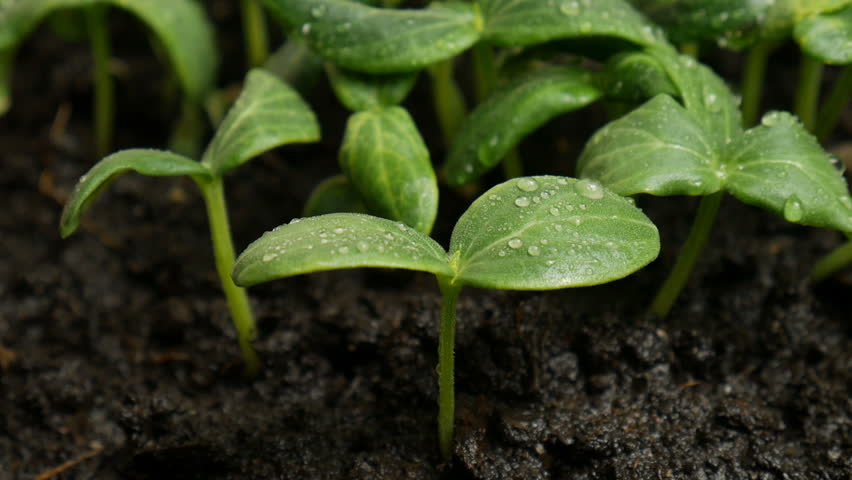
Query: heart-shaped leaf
{"points": [[336, 241], [334, 195], [180, 25], [827, 36], [388, 164], [380, 40], [266, 115], [362, 91], [530, 22], [781, 167], [486, 136], [658, 148], [539, 233], [147, 162]]}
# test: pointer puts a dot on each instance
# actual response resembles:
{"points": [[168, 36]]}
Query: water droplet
{"points": [[845, 200], [306, 29], [527, 184], [295, 220], [344, 27], [468, 168], [610, 244], [318, 11], [570, 8], [771, 119], [516, 243], [501, 253], [582, 206], [269, 257], [577, 221], [493, 197], [389, 236], [362, 246], [793, 209], [339, 230], [400, 226], [522, 201], [343, 250], [550, 263], [544, 241], [554, 211], [562, 181], [591, 189], [838, 164], [557, 227], [534, 251], [493, 141]]}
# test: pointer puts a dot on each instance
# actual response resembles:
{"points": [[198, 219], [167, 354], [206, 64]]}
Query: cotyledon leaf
{"points": [[180, 25], [154, 163], [362, 91], [267, 114], [388, 164], [336, 241], [507, 116], [530, 22], [827, 36], [544, 232], [381, 40], [781, 167], [658, 148]]}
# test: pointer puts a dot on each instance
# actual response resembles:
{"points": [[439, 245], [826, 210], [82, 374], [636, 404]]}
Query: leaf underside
{"points": [[506, 117], [147, 162], [380, 40], [388, 165], [338, 241], [267, 114], [361, 91], [544, 232], [334, 195]]}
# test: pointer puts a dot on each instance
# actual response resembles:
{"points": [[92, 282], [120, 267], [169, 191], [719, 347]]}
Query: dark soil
{"points": [[116, 347]]}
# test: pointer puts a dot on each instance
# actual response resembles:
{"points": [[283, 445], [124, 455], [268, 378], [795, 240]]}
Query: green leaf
{"points": [[180, 25], [635, 77], [658, 148], [388, 164], [828, 36], [540, 233], [505, 118], [697, 20], [362, 91], [266, 115], [530, 22], [377, 40], [336, 241], [147, 162], [334, 195], [781, 167]]}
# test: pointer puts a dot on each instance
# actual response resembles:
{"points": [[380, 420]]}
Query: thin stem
{"points": [[6, 58], [835, 104], [485, 71], [839, 258], [752, 82], [807, 93], [446, 361], [254, 32], [223, 249], [449, 101], [104, 101], [688, 255]]}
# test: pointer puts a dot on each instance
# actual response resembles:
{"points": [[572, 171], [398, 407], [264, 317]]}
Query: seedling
{"points": [[698, 148], [531, 233], [266, 115], [180, 26]]}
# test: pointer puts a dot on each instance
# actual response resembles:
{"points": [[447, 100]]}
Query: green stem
{"points": [[807, 93], [223, 249], [688, 254], [254, 32], [6, 58], [835, 104], [446, 360], [752, 82], [104, 102], [449, 101], [485, 71], [841, 257]]}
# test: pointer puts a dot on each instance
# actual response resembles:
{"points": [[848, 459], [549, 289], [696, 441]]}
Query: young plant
{"points": [[530, 233], [180, 26], [697, 147], [266, 115]]}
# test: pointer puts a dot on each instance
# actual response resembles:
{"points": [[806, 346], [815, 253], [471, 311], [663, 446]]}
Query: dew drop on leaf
{"points": [[534, 251], [306, 29], [269, 257], [516, 243], [838, 164], [554, 211], [591, 189], [527, 184], [318, 11], [793, 209], [522, 201], [343, 250], [771, 119], [570, 8]]}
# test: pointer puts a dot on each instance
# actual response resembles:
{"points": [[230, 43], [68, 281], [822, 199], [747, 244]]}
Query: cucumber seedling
{"points": [[530, 233], [267, 114], [179, 26]]}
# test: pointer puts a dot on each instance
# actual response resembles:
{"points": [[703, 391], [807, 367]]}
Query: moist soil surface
{"points": [[117, 353]]}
